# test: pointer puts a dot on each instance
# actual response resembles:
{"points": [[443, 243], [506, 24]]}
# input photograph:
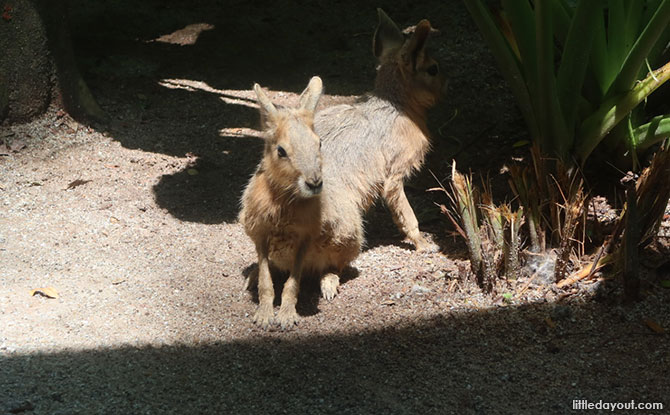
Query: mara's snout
{"points": [[310, 186]]}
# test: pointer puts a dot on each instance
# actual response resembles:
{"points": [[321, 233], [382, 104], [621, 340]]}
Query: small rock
{"points": [[418, 289]]}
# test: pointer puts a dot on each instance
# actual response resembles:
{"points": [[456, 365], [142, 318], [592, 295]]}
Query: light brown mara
{"points": [[299, 220], [368, 149], [374, 144]]}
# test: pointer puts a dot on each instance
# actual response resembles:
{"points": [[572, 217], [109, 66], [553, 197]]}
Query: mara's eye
{"points": [[432, 70], [281, 152]]}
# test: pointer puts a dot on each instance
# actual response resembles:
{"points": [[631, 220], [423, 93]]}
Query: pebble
{"points": [[418, 289]]}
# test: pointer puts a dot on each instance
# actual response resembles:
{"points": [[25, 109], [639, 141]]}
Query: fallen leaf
{"points": [[654, 326], [7, 13], [549, 322], [49, 292], [76, 183], [112, 219], [24, 407], [388, 302]]}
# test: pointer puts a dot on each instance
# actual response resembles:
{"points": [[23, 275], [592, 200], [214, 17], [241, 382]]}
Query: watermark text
{"points": [[616, 406]]}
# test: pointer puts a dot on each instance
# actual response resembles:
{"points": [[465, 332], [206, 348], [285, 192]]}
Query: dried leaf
{"points": [[23, 407], [76, 183], [7, 13], [654, 326], [49, 292], [388, 302], [549, 322]]}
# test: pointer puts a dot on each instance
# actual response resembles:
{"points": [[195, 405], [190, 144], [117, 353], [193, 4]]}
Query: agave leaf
{"points": [[506, 30], [613, 110], [463, 192], [616, 34], [554, 137], [633, 13], [641, 49], [603, 71], [562, 14], [575, 59], [661, 46], [522, 22], [507, 60], [652, 132]]}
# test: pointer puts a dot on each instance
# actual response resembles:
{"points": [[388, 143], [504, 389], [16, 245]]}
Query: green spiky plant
{"points": [[491, 233], [579, 70]]}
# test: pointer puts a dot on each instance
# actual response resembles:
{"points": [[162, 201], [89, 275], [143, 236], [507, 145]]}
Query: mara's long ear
{"points": [[268, 110], [387, 36], [417, 43], [309, 98]]}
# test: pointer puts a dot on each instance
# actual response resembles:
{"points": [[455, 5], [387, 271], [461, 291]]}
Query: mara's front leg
{"points": [[403, 215], [287, 316], [266, 293]]}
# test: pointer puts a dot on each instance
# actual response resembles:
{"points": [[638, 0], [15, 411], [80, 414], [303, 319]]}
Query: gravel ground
{"points": [[133, 224]]}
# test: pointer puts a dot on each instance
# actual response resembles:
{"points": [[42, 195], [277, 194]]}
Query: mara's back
{"points": [[357, 146], [370, 147]]}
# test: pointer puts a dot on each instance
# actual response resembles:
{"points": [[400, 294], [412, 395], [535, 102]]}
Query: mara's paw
{"points": [[329, 286], [264, 316], [421, 244], [287, 317]]}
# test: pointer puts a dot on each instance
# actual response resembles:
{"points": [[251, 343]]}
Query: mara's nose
{"points": [[315, 185]]}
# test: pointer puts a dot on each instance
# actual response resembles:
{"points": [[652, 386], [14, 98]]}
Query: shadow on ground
{"points": [[127, 50], [501, 361], [309, 295]]}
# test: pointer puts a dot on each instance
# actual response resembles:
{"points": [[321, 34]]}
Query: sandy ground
{"points": [[133, 224]]}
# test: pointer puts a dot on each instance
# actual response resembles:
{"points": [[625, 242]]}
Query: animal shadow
{"points": [[309, 296]]}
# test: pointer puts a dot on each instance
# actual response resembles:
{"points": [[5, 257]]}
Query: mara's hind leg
{"points": [[347, 251], [403, 215], [330, 284], [251, 281]]}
